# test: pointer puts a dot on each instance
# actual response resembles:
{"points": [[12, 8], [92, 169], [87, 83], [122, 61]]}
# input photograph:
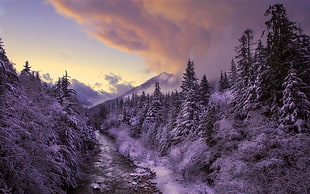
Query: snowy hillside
{"points": [[168, 82]]}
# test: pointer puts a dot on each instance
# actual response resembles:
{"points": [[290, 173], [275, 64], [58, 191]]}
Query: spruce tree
{"points": [[190, 80], [233, 72], [296, 104], [153, 117], [188, 118], [244, 63], [221, 82], [204, 93], [27, 69], [281, 53]]}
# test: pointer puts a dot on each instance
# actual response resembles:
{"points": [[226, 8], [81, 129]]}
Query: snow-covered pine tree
{"points": [[226, 84], [281, 53], [296, 105], [153, 117], [221, 82], [8, 76], [257, 64], [244, 57], [204, 93], [188, 118], [303, 61], [232, 75], [142, 109], [206, 125], [65, 95], [262, 69]]}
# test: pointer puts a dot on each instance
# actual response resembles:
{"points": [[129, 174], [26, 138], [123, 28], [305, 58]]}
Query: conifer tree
{"points": [[153, 118], [281, 53], [244, 63], [296, 104], [8, 76], [233, 72], [188, 118], [27, 69], [204, 93], [190, 81], [221, 82]]}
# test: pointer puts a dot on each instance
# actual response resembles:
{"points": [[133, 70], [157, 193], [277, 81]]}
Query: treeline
{"points": [[44, 135], [255, 126]]}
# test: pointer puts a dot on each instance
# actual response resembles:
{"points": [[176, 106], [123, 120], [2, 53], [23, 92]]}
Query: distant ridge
{"points": [[168, 82]]}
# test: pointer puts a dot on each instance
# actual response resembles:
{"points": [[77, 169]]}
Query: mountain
{"points": [[168, 82]]}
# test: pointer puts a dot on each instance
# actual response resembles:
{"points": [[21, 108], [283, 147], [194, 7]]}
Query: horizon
{"points": [[109, 47]]}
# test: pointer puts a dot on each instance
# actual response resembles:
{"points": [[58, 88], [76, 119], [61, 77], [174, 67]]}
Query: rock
{"points": [[95, 186]]}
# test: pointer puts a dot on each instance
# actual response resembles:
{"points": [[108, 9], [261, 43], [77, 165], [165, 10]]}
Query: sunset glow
{"points": [[133, 39]]}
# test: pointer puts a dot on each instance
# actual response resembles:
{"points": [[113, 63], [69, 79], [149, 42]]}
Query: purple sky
{"points": [[132, 40]]}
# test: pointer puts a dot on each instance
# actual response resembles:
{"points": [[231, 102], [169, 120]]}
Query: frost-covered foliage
{"points": [[42, 147], [254, 156], [251, 138]]}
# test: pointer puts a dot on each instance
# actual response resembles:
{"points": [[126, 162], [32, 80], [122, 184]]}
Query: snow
{"points": [[167, 179]]}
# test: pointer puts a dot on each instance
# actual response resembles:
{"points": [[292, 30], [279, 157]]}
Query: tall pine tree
{"points": [[281, 53], [188, 118]]}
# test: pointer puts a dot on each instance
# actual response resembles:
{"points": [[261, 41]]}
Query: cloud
{"points": [[87, 95], [168, 32], [115, 85], [47, 77], [90, 97]]}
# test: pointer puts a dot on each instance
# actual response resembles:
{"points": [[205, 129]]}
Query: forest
{"points": [[249, 134], [45, 138]]}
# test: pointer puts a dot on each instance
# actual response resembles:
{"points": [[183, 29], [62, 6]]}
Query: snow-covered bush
{"points": [[42, 147]]}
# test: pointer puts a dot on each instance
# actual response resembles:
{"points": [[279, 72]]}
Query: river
{"points": [[111, 172]]}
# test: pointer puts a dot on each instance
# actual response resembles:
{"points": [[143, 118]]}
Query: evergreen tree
{"points": [[221, 82], [261, 69], [281, 53], [296, 105], [226, 84], [244, 63], [190, 81], [8, 76], [233, 72], [204, 93], [206, 126], [188, 118], [65, 95], [153, 118], [27, 69]]}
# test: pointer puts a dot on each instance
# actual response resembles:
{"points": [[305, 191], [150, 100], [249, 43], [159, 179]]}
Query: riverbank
{"points": [[111, 172]]}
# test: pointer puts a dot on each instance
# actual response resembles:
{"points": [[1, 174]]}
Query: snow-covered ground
{"points": [[168, 181]]}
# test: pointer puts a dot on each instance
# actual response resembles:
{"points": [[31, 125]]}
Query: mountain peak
{"points": [[168, 82]]}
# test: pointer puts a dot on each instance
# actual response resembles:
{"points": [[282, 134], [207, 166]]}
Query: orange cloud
{"points": [[168, 32]]}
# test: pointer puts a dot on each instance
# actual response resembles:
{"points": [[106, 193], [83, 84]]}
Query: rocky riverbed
{"points": [[111, 172]]}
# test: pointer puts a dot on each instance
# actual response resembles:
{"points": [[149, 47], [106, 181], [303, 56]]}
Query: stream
{"points": [[111, 172]]}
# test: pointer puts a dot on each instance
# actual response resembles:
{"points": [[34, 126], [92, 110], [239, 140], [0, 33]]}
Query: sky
{"points": [[111, 45]]}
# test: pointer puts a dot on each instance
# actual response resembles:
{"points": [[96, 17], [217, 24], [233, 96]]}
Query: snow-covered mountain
{"points": [[168, 82]]}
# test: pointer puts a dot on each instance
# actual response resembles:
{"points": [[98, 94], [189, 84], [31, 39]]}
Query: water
{"points": [[111, 172]]}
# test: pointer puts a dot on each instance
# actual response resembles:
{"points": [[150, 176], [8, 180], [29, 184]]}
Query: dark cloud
{"points": [[168, 32]]}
